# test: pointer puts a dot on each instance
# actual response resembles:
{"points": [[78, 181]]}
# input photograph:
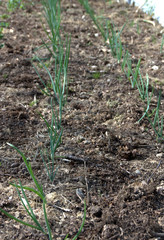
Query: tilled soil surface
{"points": [[116, 162]]}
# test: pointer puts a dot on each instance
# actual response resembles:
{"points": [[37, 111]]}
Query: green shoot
{"points": [[1, 33], [138, 28], [27, 206], [131, 74], [127, 67], [58, 89], [14, 4], [18, 220], [136, 73], [46, 220], [96, 75], [55, 134], [91, 13], [4, 24], [29, 210], [148, 102], [114, 40], [25, 201], [157, 110], [82, 225], [143, 86], [29, 189], [28, 166], [162, 43], [157, 124], [52, 14]]}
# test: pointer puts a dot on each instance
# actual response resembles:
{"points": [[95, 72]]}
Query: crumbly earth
{"points": [[116, 162]]}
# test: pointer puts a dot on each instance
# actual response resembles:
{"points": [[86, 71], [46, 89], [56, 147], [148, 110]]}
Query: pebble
{"points": [[94, 67], [155, 67], [159, 155], [138, 172]]}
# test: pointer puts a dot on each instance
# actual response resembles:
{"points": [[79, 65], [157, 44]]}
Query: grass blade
{"points": [[46, 220], [29, 211], [38, 186], [29, 189], [18, 220], [82, 225], [157, 111]]}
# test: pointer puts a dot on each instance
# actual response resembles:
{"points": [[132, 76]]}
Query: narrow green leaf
{"points": [[157, 111], [38, 186], [28, 188], [29, 209], [46, 220], [83, 222], [18, 220]]}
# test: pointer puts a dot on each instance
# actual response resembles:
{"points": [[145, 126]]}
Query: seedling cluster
{"points": [[57, 89], [112, 38], [58, 46]]}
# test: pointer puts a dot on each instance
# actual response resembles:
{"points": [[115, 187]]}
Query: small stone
{"points": [[108, 65], [137, 172], [159, 155], [155, 67], [94, 67]]}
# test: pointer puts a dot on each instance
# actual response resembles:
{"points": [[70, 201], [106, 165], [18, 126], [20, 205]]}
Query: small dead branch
{"points": [[74, 158]]}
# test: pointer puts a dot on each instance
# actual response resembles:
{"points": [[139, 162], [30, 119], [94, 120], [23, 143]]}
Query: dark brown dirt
{"points": [[124, 199]]}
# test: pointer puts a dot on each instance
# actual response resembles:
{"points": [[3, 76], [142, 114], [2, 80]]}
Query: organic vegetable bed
{"points": [[108, 158]]}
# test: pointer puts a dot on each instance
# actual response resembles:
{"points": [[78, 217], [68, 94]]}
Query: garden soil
{"points": [[109, 159]]}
